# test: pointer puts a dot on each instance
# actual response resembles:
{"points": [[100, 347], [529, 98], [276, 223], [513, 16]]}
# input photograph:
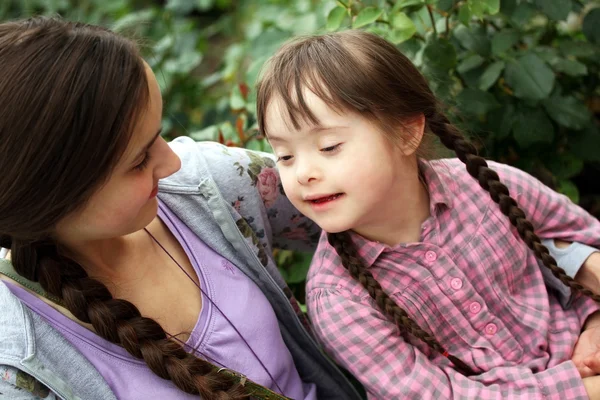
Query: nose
{"points": [[307, 171], [169, 161]]}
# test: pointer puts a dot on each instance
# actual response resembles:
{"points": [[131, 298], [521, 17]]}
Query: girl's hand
{"points": [[586, 354], [592, 386]]}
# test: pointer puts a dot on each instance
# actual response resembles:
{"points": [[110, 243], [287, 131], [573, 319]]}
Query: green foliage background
{"points": [[519, 76]]}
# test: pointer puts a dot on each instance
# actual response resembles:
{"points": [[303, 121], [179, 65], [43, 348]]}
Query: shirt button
{"points": [[475, 307], [430, 256], [491, 329], [456, 283]]}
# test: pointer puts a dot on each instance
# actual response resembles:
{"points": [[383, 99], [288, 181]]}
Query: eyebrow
{"points": [[315, 129], [148, 145]]}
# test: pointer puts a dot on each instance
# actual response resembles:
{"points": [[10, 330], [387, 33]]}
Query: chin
{"points": [[330, 227]]}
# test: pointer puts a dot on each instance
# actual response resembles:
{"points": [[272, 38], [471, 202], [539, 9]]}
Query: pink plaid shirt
{"points": [[472, 283]]}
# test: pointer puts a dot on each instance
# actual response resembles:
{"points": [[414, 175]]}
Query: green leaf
{"points": [[569, 189], [557, 10], [474, 39], [491, 74], [532, 126], [464, 14], [501, 120], [473, 61], [522, 14], [408, 3], [367, 16], [480, 8], [578, 49], [477, 102], [335, 18], [564, 165], [567, 111], [507, 7], [503, 41], [440, 54], [403, 26], [530, 77], [591, 25], [570, 67], [585, 144], [445, 5]]}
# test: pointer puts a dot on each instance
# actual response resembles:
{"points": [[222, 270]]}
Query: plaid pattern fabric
{"points": [[473, 284]]}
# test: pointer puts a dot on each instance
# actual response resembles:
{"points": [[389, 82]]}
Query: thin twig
{"points": [[432, 20]]}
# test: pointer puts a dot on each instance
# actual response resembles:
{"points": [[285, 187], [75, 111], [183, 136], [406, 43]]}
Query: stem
{"points": [[343, 3], [432, 20], [448, 25]]}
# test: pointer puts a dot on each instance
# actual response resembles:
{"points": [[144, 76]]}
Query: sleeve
{"points": [[554, 216], [250, 183], [570, 259], [361, 340], [18, 385]]}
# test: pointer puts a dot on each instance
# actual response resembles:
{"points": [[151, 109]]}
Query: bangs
{"points": [[323, 66]]}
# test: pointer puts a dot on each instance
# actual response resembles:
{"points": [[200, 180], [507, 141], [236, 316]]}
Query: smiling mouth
{"points": [[325, 199]]}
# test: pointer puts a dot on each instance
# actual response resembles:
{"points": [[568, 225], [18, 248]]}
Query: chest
{"points": [[166, 292]]}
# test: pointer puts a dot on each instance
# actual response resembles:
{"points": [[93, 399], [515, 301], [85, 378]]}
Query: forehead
{"points": [[308, 110]]}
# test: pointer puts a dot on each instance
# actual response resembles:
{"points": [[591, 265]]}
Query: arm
{"points": [[556, 218], [579, 261], [368, 345]]}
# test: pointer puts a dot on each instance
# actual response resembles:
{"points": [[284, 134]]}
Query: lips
{"points": [[323, 199], [154, 192]]}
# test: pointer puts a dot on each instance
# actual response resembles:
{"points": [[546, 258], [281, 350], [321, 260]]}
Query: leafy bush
{"points": [[520, 76]]}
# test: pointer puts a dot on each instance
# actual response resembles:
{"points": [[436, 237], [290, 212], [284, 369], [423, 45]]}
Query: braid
{"points": [[488, 179], [478, 168], [120, 322], [345, 249]]}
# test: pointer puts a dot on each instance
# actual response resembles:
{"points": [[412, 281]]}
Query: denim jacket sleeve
{"points": [[18, 385]]}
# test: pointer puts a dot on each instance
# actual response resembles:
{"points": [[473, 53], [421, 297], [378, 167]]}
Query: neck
{"points": [[401, 214], [113, 260]]}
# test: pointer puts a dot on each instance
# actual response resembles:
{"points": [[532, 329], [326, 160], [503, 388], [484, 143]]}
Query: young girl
{"points": [[423, 286], [113, 292]]}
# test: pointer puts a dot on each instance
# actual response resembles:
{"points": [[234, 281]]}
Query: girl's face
{"points": [[127, 201], [343, 173]]}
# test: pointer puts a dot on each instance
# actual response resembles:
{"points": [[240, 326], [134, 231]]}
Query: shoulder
{"points": [[327, 275], [453, 170]]}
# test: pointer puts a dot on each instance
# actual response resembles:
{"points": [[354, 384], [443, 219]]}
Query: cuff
{"points": [[561, 382], [570, 259]]}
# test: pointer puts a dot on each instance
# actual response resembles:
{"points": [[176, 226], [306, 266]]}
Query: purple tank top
{"points": [[213, 338]]}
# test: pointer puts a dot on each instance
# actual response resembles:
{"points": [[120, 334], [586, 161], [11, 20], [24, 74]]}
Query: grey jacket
{"points": [[231, 198]]}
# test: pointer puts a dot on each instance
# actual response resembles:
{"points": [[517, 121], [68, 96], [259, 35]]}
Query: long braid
{"points": [[488, 179], [119, 321], [342, 244]]}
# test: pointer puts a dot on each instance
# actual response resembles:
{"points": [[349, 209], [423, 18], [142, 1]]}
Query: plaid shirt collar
{"points": [[439, 183]]}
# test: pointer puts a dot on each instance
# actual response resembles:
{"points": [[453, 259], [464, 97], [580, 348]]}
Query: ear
{"points": [[413, 129]]}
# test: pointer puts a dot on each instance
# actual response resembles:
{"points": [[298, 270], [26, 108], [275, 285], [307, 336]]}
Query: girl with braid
{"points": [[426, 283], [138, 269]]}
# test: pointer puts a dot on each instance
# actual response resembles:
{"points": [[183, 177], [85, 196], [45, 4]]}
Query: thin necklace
{"points": [[217, 307]]}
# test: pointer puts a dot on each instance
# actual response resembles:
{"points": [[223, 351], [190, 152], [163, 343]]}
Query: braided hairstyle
{"points": [[71, 94], [361, 72]]}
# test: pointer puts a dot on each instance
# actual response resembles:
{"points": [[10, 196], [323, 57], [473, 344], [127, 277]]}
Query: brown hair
{"points": [[361, 72], [70, 96]]}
